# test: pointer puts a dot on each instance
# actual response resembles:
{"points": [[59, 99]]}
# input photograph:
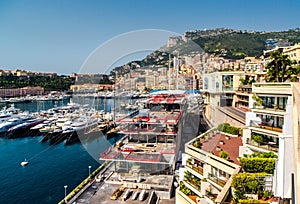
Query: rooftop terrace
{"points": [[140, 152]]}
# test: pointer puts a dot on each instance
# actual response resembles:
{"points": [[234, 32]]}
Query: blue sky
{"points": [[58, 35]]}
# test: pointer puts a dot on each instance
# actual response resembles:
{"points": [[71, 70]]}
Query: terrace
{"points": [[220, 181], [158, 129], [271, 88], [195, 165], [266, 122], [265, 142], [153, 117], [125, 150]]}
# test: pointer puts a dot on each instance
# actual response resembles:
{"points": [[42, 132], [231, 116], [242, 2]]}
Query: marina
{"points": [[26, 157], [67, 123]]}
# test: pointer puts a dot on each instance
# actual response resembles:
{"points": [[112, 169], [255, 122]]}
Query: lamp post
{"points": [[90, 170], [65, 191]]}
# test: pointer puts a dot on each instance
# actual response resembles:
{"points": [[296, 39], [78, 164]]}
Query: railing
{"points": [[220, 182], [198, 187], [273, 107], [271, 88], [198, 169], [210, 195], [265, 126], [271, 146]]}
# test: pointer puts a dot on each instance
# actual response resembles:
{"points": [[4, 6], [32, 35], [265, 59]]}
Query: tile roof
{"points": [[231, 146]]}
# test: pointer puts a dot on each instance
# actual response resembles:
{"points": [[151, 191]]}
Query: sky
{"points": [[60, 35]]}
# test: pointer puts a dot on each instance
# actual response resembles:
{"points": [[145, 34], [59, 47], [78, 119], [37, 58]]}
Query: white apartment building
{"points": [[276, 123]]}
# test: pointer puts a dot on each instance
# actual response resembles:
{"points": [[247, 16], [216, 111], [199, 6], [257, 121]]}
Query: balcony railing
{"points": [[193, 184], [267, 126], [211, 196], [273, 107], [270, 146], [198, 169], [215, 179]]}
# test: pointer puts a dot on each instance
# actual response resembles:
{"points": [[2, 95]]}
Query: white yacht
{"points": [[9, 123]]}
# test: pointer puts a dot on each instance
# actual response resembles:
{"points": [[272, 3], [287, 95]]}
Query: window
{"points": [[280, 122], [282, 101], [222, 174]]}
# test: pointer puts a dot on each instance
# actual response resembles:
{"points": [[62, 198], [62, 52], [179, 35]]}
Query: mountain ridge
{"points": [[223, 42]]}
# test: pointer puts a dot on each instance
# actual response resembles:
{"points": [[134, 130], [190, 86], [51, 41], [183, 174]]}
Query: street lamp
{"points": [[65, 190], [90, 170]]}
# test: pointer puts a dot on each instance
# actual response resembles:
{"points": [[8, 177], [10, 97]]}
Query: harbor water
{"points": [[50, 168]]}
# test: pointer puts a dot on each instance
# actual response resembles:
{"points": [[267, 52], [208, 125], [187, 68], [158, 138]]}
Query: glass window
{"points": [[280, 122]]}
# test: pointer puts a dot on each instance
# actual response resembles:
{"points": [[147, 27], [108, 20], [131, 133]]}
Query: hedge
{"points": [[261, 155], [256, 165], [248, 183], [225, 127]]}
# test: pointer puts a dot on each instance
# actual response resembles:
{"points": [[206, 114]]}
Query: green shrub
{"points": [[261, 155], [256, 165], [248, 183], [197, 143], [257, 138], [185, 189], [224, 154], [225, 127]]}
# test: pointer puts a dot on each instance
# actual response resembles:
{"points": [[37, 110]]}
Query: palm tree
{"points": [[285, 63], [278, 68]]}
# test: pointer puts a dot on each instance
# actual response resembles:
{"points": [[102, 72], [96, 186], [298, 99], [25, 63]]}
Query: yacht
{"points": [[9, 123], [22, 129]]}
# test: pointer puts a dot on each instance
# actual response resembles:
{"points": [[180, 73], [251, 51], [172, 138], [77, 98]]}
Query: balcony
{"points": [[215, 179], [193, 183], [266, 145], [271, 88], [211, 196], [272, 107], [198, 169], [266, 126]]}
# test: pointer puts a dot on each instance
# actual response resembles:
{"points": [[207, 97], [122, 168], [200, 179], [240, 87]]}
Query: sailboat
{"points": [[24, 163]]}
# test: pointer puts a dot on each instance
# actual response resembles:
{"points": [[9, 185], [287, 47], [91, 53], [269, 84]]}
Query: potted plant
{"points": [[197, 143], [224, 155], [258, 101], [257, 138], [189, 160], [209, 192]]}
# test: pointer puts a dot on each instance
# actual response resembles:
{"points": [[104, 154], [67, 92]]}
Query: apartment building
{"points": [[16, 92], [293, 52], [206, 174], [273, 126]]}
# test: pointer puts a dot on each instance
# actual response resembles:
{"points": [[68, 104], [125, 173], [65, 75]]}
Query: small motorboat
{"points": [[24, 163]]}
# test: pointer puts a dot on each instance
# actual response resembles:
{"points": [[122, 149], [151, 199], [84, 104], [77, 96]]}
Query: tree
{"points": [[247, 80], [278, 68]]}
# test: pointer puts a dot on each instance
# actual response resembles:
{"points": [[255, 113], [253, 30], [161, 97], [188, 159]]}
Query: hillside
{"points": [[228, 43]]}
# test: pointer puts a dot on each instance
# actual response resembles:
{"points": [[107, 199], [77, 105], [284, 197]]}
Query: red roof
{"points": [[231, 146]]}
